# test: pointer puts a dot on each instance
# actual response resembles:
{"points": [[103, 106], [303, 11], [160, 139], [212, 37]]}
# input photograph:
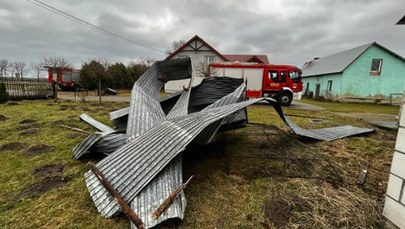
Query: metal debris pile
{"points": [[142, 171]]}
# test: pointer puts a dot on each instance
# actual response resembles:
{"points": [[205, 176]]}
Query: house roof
{"points": [[188, 43], [338, 62], [248, 58]]}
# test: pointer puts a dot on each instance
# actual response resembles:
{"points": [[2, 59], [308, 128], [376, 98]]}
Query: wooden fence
{"points": [[27, 89]]}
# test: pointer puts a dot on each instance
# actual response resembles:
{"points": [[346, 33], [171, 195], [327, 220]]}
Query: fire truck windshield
{"points": [[294, 76]]}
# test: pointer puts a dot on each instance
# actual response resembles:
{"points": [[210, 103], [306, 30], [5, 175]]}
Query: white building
{"points": [[202, 54], [394, 207]]}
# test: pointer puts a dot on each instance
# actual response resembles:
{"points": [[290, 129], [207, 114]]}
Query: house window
{"points": [[329, 86], [210, 59], [376, 65]]}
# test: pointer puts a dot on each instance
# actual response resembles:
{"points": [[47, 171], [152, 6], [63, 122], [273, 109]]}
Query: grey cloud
{"points": [[294, 32]]}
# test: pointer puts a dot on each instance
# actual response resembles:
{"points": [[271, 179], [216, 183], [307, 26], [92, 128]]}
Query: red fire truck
{"points": [[67, 79], [281, 82]]}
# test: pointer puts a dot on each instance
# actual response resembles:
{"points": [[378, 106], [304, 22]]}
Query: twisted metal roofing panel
{"points": [[153, 195], [146, 112], [323, 134], [83, 147], [181, 107], [99, 142], [96, 124], [134, 165], [147, 168], [209, 132]]}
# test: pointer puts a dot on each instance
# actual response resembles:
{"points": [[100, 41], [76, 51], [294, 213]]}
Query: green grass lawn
{"points": [[237, 178], [354, 107]]}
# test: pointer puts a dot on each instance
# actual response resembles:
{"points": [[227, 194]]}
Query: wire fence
{"points": [[27, 89]]}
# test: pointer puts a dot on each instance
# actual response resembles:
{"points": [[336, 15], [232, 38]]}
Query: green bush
{"points": [[3, 93]]}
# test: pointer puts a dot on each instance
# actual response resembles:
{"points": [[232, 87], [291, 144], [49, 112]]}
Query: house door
{"points": [[317, 90]]}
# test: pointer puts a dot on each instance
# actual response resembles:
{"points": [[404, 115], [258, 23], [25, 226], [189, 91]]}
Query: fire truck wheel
{"points": [[76, 87], [285, 98]]}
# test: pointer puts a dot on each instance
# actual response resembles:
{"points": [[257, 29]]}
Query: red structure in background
{"points": [[67, 79]]}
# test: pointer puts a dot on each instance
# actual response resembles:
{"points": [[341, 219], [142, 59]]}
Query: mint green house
{"points": [[369, 71]]}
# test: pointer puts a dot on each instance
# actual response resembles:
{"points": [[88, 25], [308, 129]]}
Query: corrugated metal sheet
{"points": [[96, 124], [207, 92], [149, 199], [334, 63], [109, 143], [323, 134], [104, 142], [153, 195], [134, 165], [328, 134], [83, 147], [147, 167], [145, 110], [209, 132], [171, 176], [181, 107]]}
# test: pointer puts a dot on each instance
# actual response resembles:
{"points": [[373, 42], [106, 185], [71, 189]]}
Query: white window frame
{"points": [[210, 59], [373, 71], [182, 56]]}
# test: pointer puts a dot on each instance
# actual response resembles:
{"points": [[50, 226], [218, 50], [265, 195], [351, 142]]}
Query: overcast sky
{"points": [[288, 31]]}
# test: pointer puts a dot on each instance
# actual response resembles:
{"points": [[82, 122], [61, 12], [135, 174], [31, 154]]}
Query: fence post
{"points": [[55, 90], [99, 90]]}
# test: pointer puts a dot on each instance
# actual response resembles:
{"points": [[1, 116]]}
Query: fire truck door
{"points": [[275, 79], [270, 79], [282, 78]]}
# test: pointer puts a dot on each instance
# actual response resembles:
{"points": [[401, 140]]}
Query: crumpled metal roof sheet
{"points": [[134, 165], [99, 142], [153, 195], [150, 198], [104, 142], [323, 134], [211, 90], [96, 124], [147, 167], [328, 134], [83, 147], [209, 132]]}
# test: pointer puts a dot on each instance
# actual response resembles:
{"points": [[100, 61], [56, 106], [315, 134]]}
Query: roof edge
{"points": [[389, 51], [196, 37]]}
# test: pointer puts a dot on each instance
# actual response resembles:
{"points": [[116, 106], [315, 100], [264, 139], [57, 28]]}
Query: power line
{"points": [[89, 25]]}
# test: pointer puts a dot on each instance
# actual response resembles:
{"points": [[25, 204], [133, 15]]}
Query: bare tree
{"points": [[20, 69], [203, 69], [145, 61], [37, 66], [175, 46], [11, 68], [3, 67], [57, 64]]}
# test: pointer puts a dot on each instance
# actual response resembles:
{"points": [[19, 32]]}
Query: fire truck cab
{"points": [[280, 82]]}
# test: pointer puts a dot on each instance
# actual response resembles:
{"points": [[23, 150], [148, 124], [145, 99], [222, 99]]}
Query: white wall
{"points": [[197, 57], [394, 207]]}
